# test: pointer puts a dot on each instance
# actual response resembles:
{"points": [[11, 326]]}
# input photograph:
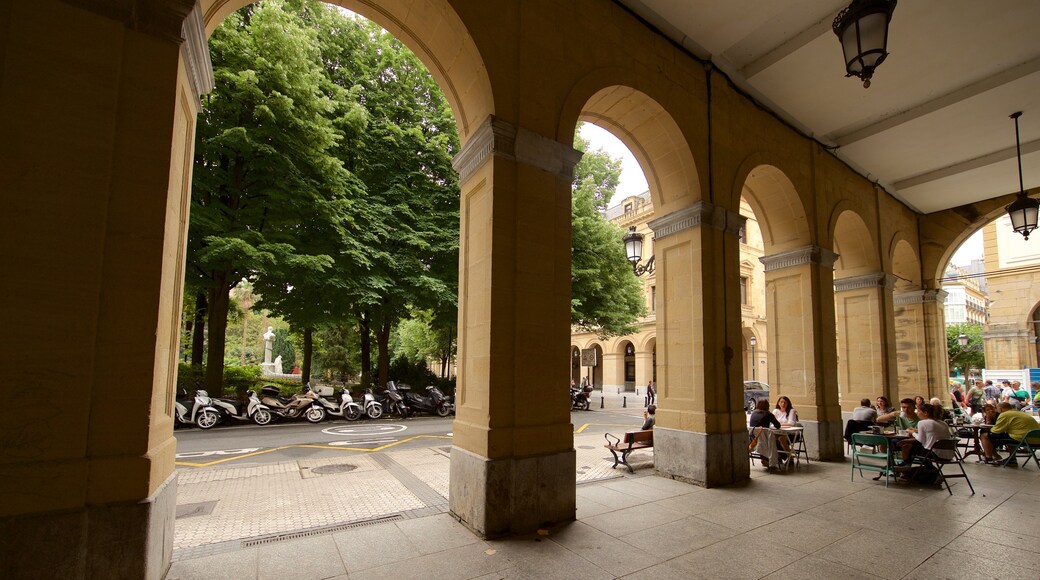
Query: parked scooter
{"points": [[433, 402], [393, 402], [346, 408], [198, 411], [303, 405], [250, 410], [580, 398], [372, 407]]}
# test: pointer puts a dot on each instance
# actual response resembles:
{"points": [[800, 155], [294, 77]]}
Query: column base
{"points": [[705, 459], [498, 497], [823, 440], [130, 540]]}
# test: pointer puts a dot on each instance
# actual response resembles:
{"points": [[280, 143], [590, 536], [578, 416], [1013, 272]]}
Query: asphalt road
{"points": [[248, 444]]}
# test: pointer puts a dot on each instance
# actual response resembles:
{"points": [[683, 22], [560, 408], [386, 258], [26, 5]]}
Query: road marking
{"points": [[362, 442], [193, 454], [367, 430], [337, 447]]}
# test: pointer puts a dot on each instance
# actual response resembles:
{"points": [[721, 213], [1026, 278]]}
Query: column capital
{"points": [[799, 257], [161, 18], [498, 138], [872, 280], [195, 51], [920, 296], [696, 215]]}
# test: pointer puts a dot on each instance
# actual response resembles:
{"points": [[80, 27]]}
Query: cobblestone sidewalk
{"points": [[225, 508]]}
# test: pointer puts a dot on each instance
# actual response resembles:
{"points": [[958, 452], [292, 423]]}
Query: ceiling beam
{"points": [[788, 47], [966, 92], [969, 165]]}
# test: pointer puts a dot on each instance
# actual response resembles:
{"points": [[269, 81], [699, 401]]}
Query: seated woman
{"points": [[883, 408], [947, 415], [929, 430], [761, 417], [785, 413]]}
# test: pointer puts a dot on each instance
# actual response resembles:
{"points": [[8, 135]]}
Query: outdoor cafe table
{"points": [[976, 434]]}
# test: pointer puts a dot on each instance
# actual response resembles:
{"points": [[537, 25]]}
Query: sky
{"points": [[633, 183]]}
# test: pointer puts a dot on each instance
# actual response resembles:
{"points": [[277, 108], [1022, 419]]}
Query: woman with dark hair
{"points": [[929, 430], [883, 407], [785, 413], [761, 417]]}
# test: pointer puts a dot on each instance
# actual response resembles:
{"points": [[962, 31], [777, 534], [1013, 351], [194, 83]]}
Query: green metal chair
{"points": [[934, 459], [1027, 447], [876, 441]]}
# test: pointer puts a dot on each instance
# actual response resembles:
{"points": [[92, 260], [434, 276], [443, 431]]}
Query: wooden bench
{"points": [[632, 441]]}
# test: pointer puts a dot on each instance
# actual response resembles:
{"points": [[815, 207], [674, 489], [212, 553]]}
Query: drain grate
{"points": [[319, 531], [334, 468]]}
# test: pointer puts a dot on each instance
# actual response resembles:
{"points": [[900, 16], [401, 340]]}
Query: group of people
{"points": [[925, 423], [1010, 392]]}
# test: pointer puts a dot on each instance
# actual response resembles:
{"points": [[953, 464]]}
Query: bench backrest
{"points": [[639, 436]]}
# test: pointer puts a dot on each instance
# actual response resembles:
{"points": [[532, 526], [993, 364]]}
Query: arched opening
{"points": [[861, 294]]}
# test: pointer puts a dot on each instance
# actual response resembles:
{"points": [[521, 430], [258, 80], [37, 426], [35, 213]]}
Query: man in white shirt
{"points": [[864, 412]]}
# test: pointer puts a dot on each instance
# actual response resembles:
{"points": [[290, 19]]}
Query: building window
{"points": [[653, 299], [742, 234], [628, 207], [743, 289]]}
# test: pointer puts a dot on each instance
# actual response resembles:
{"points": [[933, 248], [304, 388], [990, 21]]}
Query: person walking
{"points": [[651, 394]]}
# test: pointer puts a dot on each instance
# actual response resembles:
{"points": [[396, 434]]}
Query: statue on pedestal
{"points": [[267, 366]]}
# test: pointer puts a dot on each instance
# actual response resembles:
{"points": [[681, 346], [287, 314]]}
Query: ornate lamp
{"points": [[962, 339], [634, 248], [862, 28], [1022, 211]]}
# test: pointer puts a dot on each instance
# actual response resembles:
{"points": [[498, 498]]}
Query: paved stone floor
{"points": [[386, 518]]}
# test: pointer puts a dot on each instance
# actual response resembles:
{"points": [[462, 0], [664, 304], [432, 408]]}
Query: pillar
{"points": [[644, 369], [701, 430], [513, 461], [613, 365], [1007, 346], [98, 105], [802, 345], [920, 335], [866, 345]]}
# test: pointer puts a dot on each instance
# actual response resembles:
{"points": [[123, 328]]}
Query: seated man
{"points": [[864, 412], [1011, 427], [929, 430], [648, 417], [905, 419]]}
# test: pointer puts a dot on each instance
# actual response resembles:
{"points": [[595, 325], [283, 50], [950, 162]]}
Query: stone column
{"points": [[920, 334], [1007, 346], [644, 370], [701, 430], [802, 346], [866, 345], [99, 108], [613, 372], [513, 462]]}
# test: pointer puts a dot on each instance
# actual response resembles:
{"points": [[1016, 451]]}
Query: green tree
{"points": [[606, 297], [963, 358], [265, 176]]}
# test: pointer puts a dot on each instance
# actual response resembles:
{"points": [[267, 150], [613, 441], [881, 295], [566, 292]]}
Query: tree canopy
{"points": [[606, 297], [963, 358]]}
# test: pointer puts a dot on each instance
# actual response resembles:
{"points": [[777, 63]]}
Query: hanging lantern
{"points": [[1022, 211], [862, 28]]}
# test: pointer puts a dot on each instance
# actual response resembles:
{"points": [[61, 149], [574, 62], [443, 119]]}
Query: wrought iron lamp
{"points": [[962, 339], [1022, 211], [862, 28], [754, 360], [634, 248]]}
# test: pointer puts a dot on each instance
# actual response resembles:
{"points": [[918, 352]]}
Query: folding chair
{"points": [[940, 462], [1027, 447], [797, 439], [866, 440], [853, 426]]}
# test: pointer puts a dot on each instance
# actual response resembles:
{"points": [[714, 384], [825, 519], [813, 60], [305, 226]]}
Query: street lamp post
{"points": [[754, 360], [634, 249]]}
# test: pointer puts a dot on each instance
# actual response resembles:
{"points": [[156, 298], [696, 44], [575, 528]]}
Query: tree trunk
{"points": [[383, 342], [308, 345], [365, 334], [198, 334], [219, 303]]}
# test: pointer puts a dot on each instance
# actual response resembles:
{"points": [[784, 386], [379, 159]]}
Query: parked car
{"points": [[753, 391]]}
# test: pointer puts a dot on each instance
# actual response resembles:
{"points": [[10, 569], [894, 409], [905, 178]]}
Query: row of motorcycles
{"points": [[206, 412]]}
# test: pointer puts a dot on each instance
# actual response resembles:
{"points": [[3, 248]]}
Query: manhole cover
{"points": [[334, 468], [189, 510], [586, 447]]}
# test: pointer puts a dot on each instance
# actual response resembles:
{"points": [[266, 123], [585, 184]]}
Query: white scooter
{"points": [[371, 406], [198, 411], [347, 408], [251, 410]]}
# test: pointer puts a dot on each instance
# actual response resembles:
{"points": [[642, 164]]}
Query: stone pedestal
{"points": [[498, 497], [707, 459]]}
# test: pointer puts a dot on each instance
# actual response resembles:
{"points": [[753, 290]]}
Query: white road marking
{"points": [[368, 430], [371, 441], [194, 454]]}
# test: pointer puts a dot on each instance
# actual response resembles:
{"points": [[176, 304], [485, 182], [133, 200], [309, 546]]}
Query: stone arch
{"points": [[607, 98], [906, 263], [429, 28], [855, 245], [776, 203]]}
